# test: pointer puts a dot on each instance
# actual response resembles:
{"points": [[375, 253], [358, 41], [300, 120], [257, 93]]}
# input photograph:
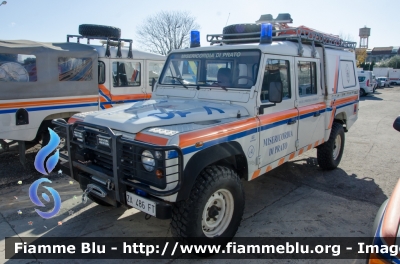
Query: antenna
{"points": [[227, 19]]}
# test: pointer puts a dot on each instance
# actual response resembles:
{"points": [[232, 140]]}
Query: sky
{"points": [[52, 20]]}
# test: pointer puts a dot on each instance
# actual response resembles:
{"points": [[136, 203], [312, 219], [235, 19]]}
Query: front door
{"points": [[278, 122]]}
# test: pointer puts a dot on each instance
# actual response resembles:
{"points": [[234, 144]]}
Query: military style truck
{"points": [[258, 96], [42, 81]]}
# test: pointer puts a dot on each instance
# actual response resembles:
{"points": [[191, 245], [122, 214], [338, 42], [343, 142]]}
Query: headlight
{"points": [[79, 134], [104, 141], [148, 160]]}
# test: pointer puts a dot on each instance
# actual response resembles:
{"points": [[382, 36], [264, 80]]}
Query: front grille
{"points": [[122, 161]]}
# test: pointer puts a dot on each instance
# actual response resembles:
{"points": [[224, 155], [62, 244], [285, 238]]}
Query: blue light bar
{"points": [[194, 39], [266, 34]]}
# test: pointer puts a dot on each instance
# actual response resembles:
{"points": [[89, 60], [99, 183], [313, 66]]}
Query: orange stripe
{"points": [[316, 143], [216, 132], [332, 117], [336, 75], [301, 151], [272, 118], [345, 100], [309, 147], [130, 97], [292, 155], [281, 161], [312, 108], [72, 120], [152, 139], [49, 102], [391, 218], [124, 96], [256, 174], [269, 168]]}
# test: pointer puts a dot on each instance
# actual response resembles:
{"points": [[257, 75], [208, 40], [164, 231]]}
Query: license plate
{"points": [[141, 203]]}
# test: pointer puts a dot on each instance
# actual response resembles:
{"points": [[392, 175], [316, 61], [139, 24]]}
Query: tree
{"points": [[165, 31], [361, 55]]}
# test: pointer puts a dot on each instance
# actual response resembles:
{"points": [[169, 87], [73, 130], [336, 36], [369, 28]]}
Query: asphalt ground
{"points": [[297, 199]]}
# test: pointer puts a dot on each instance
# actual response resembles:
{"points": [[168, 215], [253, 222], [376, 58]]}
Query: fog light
{"points": [[158, 154], [159, 174], [79, 134], [104, 141]]}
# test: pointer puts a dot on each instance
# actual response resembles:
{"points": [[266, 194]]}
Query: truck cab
{"points": [[259, 96]]}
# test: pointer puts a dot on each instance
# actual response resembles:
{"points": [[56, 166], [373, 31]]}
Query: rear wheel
{"points": [[330, 153], [214, 209], [362, 92]]}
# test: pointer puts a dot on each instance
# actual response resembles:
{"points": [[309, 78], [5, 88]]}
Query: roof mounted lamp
{"points": [[284, 18], [266, 34], [3, 3], [194, 39]]}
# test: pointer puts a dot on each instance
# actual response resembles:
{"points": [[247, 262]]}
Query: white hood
{"points": [[135, 117]]}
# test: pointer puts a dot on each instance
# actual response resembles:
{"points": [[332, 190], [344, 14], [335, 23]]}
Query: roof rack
{"points": [[108, 53], [298, 34]]}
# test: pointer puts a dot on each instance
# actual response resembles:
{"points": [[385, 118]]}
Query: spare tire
{"points": [[99, 31], [242, 28]]}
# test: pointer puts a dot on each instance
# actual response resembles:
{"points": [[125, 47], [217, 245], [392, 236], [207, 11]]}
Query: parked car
{"points": [[366, 82], [383, 82], [386, 225]]}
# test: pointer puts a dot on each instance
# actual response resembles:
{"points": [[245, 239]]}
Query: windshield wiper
{"points": [[180, 80], [213, 83]]}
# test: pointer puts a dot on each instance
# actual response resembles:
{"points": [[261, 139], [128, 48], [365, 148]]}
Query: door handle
{"points": [[291, 121], [317, 113]]}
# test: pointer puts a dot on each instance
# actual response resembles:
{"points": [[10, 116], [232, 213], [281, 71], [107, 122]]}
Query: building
{"points": [[382, 53]]}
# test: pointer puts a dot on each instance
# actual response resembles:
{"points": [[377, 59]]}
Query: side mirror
{"points": [[396, 124], [153, 83], [275, 92]]}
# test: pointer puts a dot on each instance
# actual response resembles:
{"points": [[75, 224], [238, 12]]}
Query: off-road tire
{"points": [[98, 201], [186, 223], [241, 28], [325, 156], [99, 31]]}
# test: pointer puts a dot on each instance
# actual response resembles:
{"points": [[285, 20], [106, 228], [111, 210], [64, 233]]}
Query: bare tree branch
{"points": [[165, 31]]}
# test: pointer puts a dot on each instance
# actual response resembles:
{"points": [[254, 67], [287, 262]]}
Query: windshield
{"points": [[232, 69]]}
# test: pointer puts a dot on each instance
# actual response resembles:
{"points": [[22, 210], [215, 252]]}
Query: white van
{"points": [[366, 82], [42, 81]]}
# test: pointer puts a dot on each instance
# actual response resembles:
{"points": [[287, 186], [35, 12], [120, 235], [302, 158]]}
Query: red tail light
{"points": [[368, 82]]}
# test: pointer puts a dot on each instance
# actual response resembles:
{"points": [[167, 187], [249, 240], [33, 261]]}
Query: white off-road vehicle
{"points": [[218, 115], [42, 81]]}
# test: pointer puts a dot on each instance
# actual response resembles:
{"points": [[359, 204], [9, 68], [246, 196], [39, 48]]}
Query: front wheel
{"points": [[330, 153], [213, 210]]}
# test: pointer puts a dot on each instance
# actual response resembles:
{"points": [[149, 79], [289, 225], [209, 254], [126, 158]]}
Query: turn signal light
{"points": [[159, 174]]}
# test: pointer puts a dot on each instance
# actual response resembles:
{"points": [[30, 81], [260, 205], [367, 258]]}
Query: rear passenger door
{"points": [[309, 102], [127, 81]]}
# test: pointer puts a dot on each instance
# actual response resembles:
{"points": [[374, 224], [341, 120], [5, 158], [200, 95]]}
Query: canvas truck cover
{"points": [[30, 69]]}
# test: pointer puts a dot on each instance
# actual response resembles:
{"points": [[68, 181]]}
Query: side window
{"points": [[155, 69], [102, 72], [17, 68], [361, 78], [74, 69], [276, 71], [126, 73], [307, 78]]}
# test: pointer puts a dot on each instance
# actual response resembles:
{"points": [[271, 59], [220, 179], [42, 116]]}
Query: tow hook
{"points": [[95, 190]]}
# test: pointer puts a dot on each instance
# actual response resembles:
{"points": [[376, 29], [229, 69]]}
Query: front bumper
{"points": [[116, 169]]}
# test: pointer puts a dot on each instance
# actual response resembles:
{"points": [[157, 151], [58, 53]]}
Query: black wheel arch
{"points": [[227, 153]]}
